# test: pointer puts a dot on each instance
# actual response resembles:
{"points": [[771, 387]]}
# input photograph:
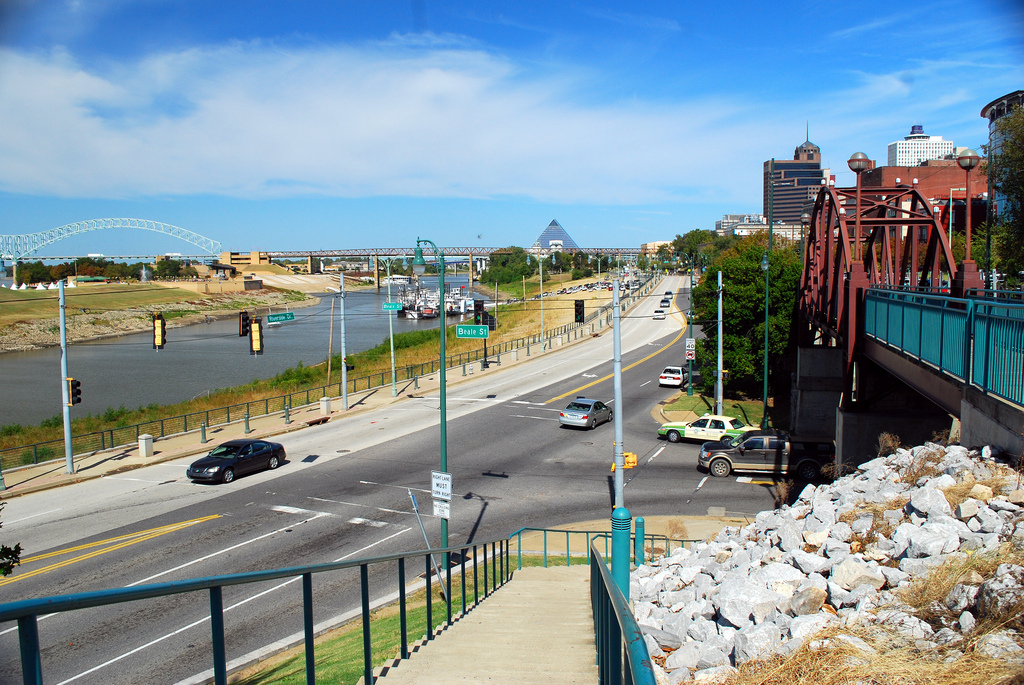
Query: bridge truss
{"points": [[18, 247], [900, 243]]}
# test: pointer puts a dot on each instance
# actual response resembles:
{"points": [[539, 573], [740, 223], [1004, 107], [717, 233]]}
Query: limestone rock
{"points": [[981, 492], [756, 642], [853, 572], [808, 601]]}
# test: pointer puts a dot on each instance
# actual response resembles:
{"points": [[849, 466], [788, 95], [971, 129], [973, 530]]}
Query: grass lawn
{"points": [[29, 305], [748, 411]]}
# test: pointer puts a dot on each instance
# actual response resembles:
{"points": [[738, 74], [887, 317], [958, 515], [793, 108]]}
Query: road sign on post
{"points": [[691, 344], [441, 485], [470, 331], [442, 509], [391, 306], [690, 355], [283, 316]]}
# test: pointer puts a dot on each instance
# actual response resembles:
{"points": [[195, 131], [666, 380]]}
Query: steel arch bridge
{"points": [[17, 247]]}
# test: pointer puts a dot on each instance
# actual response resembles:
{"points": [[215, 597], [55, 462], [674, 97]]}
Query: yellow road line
{"points": [[122, 542], [602, 380]]}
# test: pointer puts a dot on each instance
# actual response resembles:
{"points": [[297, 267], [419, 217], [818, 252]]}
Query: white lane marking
{"points": [[354, 504], [536, 418], [535, 404], [461, 399], [207, 618], [700, 484], [388, 485], [284, 509], [136, 480], [589, 375], [743, 479], [643, 384], [656, 454], [26, 518], [225, 550], [359, 521]]}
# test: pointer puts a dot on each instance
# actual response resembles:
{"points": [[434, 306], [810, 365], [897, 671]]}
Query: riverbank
{"points": [[98, 319]]}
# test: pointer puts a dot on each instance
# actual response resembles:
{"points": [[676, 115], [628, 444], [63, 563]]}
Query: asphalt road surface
{"points": [[344, 494]]}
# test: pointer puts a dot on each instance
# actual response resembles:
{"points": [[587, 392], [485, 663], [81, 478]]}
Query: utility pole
{"points": [[344, 359], [65, 390], [543, 345], [330, 342], [617, 374], [718, 381]]}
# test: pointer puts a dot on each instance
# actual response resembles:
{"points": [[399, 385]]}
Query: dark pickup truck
{"points": [[768, 452]]}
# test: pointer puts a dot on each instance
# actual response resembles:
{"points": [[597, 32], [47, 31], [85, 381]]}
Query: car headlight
{"points": [[213, 469]]}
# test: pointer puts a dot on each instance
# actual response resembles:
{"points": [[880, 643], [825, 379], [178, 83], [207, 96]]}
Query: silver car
{"points": [[584, 413]]}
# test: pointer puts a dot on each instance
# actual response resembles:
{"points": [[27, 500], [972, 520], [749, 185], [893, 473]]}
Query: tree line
{"points": [[165, 269]]}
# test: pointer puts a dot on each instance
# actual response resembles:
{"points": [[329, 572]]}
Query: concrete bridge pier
{"points": [[883, 403], [986, 420]]}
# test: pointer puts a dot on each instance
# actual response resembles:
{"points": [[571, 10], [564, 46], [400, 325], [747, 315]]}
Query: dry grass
{"points": [[887, 444], [925, 464], [783, 491], [829, 661]]}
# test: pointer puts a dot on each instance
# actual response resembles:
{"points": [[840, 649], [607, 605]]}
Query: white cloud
{"points": [[438, 118]]}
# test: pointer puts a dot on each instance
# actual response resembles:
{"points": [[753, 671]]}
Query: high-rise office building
{"points": [[918, 147], [794, 183]]}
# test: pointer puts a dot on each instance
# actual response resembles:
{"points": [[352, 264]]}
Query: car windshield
{"points": [[224, 451], [736, 423], [578, 406], [730, 441]]}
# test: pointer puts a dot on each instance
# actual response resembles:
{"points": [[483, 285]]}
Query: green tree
{"points": [[168, 268], [508, 266], [743, 316], [1005, 167], [9, 556]]}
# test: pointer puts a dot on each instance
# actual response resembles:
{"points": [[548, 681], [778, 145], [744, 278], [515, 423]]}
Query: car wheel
{"points": [[807, 471], [725, 438], [272, 464], [611, 416], [720, 468], [674, 436], [591, 424], [229, 475]]}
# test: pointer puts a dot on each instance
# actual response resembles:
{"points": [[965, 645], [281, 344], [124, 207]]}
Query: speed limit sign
{"points": [[690, 355], [691, 344]]}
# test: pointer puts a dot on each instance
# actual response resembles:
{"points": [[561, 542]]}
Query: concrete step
{"points": [[536, 629]]}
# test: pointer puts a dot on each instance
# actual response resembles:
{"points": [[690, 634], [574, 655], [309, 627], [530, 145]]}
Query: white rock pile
{"points": [[840, 557]]}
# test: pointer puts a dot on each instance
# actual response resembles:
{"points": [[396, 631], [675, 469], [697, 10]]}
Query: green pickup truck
{"points": [[767, 452]]}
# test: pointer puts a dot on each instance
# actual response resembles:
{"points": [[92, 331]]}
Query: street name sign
{"points": [[283, 316], [441, 485], [391, 306], [469, 331]]}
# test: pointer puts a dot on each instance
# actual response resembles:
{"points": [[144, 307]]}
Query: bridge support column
{"points": [[885, 404], [988, 421], [817, 391], [376, 272]]}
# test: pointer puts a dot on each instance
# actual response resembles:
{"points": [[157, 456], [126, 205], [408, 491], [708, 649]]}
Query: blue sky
{"points": [[308, 125]]}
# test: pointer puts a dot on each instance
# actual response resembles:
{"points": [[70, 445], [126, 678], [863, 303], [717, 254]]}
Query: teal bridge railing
{"points": [[490, 563], [975, 340]]}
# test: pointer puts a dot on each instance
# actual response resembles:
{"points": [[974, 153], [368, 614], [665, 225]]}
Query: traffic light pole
{"points": [[65, 391]]}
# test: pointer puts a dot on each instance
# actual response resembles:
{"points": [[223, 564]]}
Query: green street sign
{"points": [[465, 331], [284, 316], [392, 307]]}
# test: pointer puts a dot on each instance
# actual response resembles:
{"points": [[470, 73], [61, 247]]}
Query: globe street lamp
{"points": [[764, 410], [967, 276], [419, 266], [858, 162]]}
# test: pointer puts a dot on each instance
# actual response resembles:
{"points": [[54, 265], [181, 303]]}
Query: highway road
{"points": [[343, 494]]}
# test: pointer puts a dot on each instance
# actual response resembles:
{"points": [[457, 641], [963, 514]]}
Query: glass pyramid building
{"points": [[555, 238]]}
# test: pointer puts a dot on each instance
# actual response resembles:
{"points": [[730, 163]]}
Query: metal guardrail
{"points": [[110, 438], [622, 655], [612, 615], [975, 341]]}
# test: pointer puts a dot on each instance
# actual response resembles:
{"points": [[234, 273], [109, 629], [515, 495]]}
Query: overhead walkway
{"points": [[538, 629]]}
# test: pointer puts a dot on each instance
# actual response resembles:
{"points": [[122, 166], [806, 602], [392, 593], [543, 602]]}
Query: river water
{"points": [[127, 371]]}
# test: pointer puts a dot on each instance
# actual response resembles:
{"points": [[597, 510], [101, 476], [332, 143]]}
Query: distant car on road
{"points": [[665, 303], [767, 451], [659, 314], [236, 458], [707, 427], [584, 413], [671, 376]]}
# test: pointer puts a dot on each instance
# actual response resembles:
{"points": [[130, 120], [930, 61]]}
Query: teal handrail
{"points": [[622, 655]]}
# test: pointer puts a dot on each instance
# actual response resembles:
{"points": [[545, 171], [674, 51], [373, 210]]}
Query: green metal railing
{"points": [[974, 340], [86, 443], [490, 559]]}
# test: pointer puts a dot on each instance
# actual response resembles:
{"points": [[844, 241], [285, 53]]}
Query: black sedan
{"points": [[236, 458]]}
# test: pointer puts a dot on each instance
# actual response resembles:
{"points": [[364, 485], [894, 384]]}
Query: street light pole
{"points": [[764, 395], [391, 330], [419, 266]]}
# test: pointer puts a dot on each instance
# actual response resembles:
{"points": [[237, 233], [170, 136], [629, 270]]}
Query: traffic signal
{"points": [[74, 392], [579, 311], [478, 312], [243, 324], [159, 332], [256, 335]]}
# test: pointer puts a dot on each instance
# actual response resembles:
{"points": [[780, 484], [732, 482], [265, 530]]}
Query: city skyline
{"points": [[270, 126]]}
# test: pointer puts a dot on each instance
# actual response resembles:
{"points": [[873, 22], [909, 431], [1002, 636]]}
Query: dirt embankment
{"points": [[41, 333]]}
